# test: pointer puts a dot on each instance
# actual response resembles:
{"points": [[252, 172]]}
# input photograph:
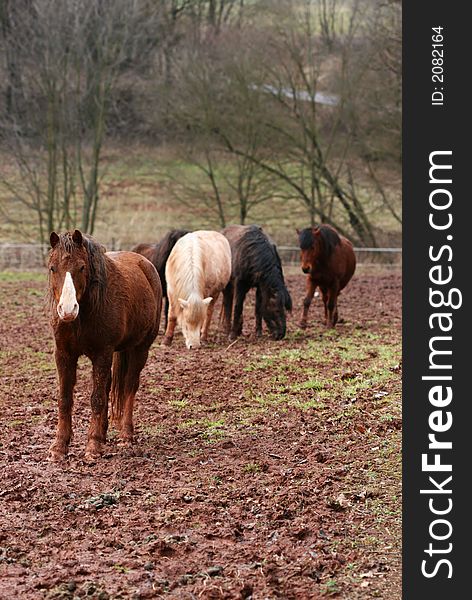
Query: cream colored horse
{"points": [[197, 270]]}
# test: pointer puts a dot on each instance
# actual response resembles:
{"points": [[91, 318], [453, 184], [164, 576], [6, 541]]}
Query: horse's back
{"points": [[202, 258], [147, 250], [216, 253], [137, 290], [235, 233], [216, 260], [135, 265], [252, 251]]}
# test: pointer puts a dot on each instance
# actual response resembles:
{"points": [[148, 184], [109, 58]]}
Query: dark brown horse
{"points": [[328, 259], [106, 306], [158, 255], [255, 264]]}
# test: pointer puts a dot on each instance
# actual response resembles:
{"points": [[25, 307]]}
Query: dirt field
{"points": [[265, 470]]}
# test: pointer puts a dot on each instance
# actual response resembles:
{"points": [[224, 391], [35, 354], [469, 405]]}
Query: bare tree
{"points": [[306, 143], [71, 53], [267, 100], [213, 102], [372, 92]]}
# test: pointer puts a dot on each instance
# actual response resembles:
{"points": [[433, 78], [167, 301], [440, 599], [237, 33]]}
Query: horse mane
{"points": [[97, 282], [187, 268], [306, 237], [329, 236], [265, 261], [97, 271], [163, 248]]}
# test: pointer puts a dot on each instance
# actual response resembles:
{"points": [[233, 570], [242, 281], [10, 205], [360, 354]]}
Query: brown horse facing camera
{"points": [[106, 305], [328, 259]]}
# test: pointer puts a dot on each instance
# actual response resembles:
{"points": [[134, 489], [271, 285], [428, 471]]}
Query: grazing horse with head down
{"points": [[158, 255], [198, 269], [105, 305], [255, 263], [328, 259]]}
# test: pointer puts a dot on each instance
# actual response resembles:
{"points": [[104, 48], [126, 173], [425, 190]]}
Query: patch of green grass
{"points": [[121, 568], [308, 404], [211, 429], [16, 276], [252, 467], [311, 384], [27, 359], [15, 423], [152, 430], [214, 430], [178, 404], [331, 588], [188, 424]]}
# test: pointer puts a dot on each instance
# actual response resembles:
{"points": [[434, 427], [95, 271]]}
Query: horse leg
{"points": [[335, 316], [101, 374], [310, 292], [241, 291], [324, 294], [170, 328], [137, 358], [209, 315], [228, 296], [67, 371], [258, 312], [166, 312], [332, 306]]}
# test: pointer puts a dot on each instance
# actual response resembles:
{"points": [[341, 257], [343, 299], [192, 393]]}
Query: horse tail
{"points": [[118, 378], [286, 293]]}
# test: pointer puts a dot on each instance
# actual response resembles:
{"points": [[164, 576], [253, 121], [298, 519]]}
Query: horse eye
{"points": [[82, 268], [53, 269]]}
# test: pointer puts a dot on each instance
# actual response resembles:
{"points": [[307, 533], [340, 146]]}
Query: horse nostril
{"points": [[305, 269]]}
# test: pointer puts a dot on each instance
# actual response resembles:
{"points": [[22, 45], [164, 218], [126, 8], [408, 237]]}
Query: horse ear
{"points": [[207, 300], [77, 237], [298, 231], [54, 239], [183, 303], [317, 231]]}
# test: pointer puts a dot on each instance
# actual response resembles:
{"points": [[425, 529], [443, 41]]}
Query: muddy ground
{"points": [[264, 470]]}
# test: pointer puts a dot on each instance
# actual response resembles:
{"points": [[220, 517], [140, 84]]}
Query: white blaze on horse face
{"points": [[68, 307]]}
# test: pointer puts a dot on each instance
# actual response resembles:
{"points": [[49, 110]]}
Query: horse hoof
{"points": [[55, 456], [57, 453], [93, 451], [167, 341], [303, 325], [126, 442]]}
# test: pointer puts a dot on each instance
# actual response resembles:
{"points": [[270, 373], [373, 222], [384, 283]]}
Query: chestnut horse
{"points": [[328, 259], [198, 269], [106, 305], [255, 263], [158, 255]]}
